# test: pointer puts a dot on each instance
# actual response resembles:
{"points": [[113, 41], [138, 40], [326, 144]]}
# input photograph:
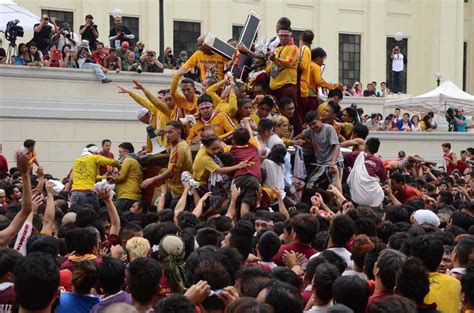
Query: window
{"points": [[296, 35], [61, 17], [131, 23], [403, 45], [464, 67], [236, 30], [185, 35], [349, 59]]}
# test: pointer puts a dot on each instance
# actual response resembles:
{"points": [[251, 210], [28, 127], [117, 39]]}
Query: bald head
{"points": [[69, 218]]}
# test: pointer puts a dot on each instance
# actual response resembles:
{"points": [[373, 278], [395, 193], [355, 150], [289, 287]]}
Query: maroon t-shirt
{"points": [[372, 163], [408, 193], [7, 298], [306, 250], [3, 164], [247, 153], [103, 168]]}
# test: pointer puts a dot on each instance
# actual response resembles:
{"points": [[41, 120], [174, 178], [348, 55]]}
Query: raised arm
{"points": [[181, 202], [50, 212], [112, 210], [281, 204], [235, 192], [10, 232], [200, 205]]}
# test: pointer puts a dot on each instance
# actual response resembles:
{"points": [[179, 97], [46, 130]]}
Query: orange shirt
{"points": [[304, 70], [210, 65], [283, 69]]}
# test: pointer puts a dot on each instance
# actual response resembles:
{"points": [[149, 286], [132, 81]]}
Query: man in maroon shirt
{"points": [[461, 165], [304, 228], [106, 145], [386, 269], [399, 192], [449, 158], [3, 162], [8, 259], [373, 164]]}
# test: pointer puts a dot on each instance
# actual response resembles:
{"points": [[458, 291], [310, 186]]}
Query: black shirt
{"points": [[113, 33], [89, 35], [43, 38]]}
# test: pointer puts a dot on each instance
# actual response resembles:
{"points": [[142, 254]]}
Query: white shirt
{"points": [[397, 62], [343, 253], [63, 41]]}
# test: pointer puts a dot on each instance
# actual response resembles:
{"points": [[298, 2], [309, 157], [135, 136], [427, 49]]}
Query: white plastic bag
{"points": [[299, 169], [365, 189]]}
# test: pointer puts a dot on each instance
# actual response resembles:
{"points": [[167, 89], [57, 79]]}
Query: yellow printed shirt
{"points": [[283, 70], [304, 70], [221, 123], [182, 106], [85, 169], [316, 79], [203, 166], [160, 114], [444, 291], [210, 65], [180, 160], [129, 179], [229, 108]]}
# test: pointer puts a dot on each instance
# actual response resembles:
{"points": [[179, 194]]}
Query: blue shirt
{"points": [[459, 127], [72, 302]]}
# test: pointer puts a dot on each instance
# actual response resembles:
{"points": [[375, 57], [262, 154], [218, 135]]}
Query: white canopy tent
{"points": [[10, 11], [437, 100]]}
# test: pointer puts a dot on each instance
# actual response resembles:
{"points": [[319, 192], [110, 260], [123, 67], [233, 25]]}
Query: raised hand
{"points": [[138, 85], [123, 89], [22, 162]]}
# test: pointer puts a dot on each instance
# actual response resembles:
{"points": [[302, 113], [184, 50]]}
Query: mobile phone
{"points": [[56, 54]]}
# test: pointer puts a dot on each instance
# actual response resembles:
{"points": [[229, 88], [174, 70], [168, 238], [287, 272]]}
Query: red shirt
{"points": [[247, 153], [7, 298], [449, 167], [3, 164], [461, 165], [103, 168], [304, 249], [373, 164], [407, 194], [99, 58], [379, 295]]}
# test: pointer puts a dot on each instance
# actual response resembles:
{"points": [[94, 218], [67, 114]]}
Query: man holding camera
{"points": [[43, 32], [67, 37], [150, 63], [460, 122], [119, 33], [89, 32], [168, 59]]}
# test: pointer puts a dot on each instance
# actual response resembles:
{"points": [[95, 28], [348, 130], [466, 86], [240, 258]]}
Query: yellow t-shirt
{"points": [[229, 108], [444, 291], [209, 65], [129, 179], [316, 79], [85, 169], [283, 70], [182, 106], [160, 114], [221, 123], [203, 166], [180, 160], [253, 116], [304, 68], [321, 108]]}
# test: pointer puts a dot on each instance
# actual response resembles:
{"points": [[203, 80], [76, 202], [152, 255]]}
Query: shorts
{"points": [[320, 177], [249, 187]]}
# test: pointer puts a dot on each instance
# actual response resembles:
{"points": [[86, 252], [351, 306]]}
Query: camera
{"points": [[450, 114], [13, 30]]}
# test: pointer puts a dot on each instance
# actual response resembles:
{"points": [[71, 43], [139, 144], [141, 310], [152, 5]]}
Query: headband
{"points": [[264, 221], [284, 32], [204, 104]]}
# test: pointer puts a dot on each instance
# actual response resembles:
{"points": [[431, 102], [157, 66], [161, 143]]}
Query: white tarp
{"points": [[9, 11], [437, 100]]}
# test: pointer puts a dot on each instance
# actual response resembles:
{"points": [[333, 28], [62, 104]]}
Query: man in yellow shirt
{"points": [[283, 66], [159, 112], [84, 176], [445, 290], [128, 179], [221, 123], [180, 160], [210, 64], [335, 96], [303, 72], [244, 111], [316, 79], [186, 103]]}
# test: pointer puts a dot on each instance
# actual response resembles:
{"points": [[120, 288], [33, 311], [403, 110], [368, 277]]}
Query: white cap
{"points": [[116, 13], [141, 113], [426, 217]]}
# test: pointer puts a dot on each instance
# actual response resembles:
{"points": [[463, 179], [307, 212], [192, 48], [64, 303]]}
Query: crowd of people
{"points": [[270, 201], [59, 46]]}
